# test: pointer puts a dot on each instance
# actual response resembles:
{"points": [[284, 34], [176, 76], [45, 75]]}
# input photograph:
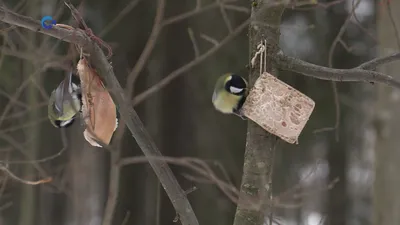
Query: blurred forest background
{"points": [[336, 177]]}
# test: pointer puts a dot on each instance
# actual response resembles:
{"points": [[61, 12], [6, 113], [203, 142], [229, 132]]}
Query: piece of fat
{"points": [[98, 109], [278, 108]]}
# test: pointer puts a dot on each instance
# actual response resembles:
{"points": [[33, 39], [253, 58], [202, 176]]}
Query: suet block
{"points": [[278, 108]]}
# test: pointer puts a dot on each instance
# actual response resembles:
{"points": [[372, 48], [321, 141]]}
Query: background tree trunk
{"points": [[29, 200], [387, 180]]}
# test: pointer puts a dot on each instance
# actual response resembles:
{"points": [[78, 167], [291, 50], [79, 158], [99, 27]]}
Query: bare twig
{"points": [[342, 75], [338, 39], [358, 23], [42, 160], [394, 25], [151, 42], [203, 170], [237, 8], [225, 16], [15, 177], [194, 42], [77, 16], [165, 81], [195, 11], [190, 190], [5, 180], [16, 95], [198, 4], [320, 5], [374, 63], [126, 218], [118, 18], [209, 39]]}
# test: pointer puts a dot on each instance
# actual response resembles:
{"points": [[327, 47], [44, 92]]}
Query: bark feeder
{"points": [[278, 108]]}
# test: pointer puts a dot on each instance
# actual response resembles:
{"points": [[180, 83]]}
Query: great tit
{"points": [[65, 103], [230, 93]]}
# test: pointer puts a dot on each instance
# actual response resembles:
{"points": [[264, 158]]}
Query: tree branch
{"points": [[325, 73], [151, 42], [128, 114], [176, 73], [374, 63]]}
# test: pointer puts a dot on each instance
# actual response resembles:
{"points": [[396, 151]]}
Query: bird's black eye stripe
{"points": [[237, 82], [75, 79], [57, 123]]}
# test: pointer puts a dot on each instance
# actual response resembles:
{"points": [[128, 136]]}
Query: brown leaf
{"points": [[98, 109]]}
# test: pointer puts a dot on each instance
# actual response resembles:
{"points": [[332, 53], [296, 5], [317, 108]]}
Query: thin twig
{"points": [[190, 190], [337, 40], [76, 14], [394, 25], [237, 8], [374, 63], [209, 39], [195, 11], [15, 177], [45, 159], [151, 42], [343, 75], [225, 16], [198, 4], [126, 218], [119, 17], [165, 81], [194, 43], [202, 168]]}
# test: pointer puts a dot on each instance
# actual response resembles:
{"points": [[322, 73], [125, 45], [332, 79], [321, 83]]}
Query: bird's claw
{"points": [[239, 114]]}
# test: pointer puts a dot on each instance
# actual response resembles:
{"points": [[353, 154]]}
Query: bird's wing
{"points": [[69, 78], [63, 92]]}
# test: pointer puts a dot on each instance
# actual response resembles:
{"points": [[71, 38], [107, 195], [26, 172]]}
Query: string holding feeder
{"points": [[75, 13], [274, 105], [261, 49], [68, 27]]}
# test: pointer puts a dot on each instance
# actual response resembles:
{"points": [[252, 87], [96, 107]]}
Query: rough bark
{"points": [[260, 145]]}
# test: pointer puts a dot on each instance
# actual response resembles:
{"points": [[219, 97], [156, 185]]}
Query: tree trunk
{"points": [[28, 195], [387, 167], [260, 145], [88, 182]]}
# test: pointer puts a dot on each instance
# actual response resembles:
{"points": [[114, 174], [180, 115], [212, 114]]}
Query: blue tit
{"points": [[230, 93], [65, 103]]}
